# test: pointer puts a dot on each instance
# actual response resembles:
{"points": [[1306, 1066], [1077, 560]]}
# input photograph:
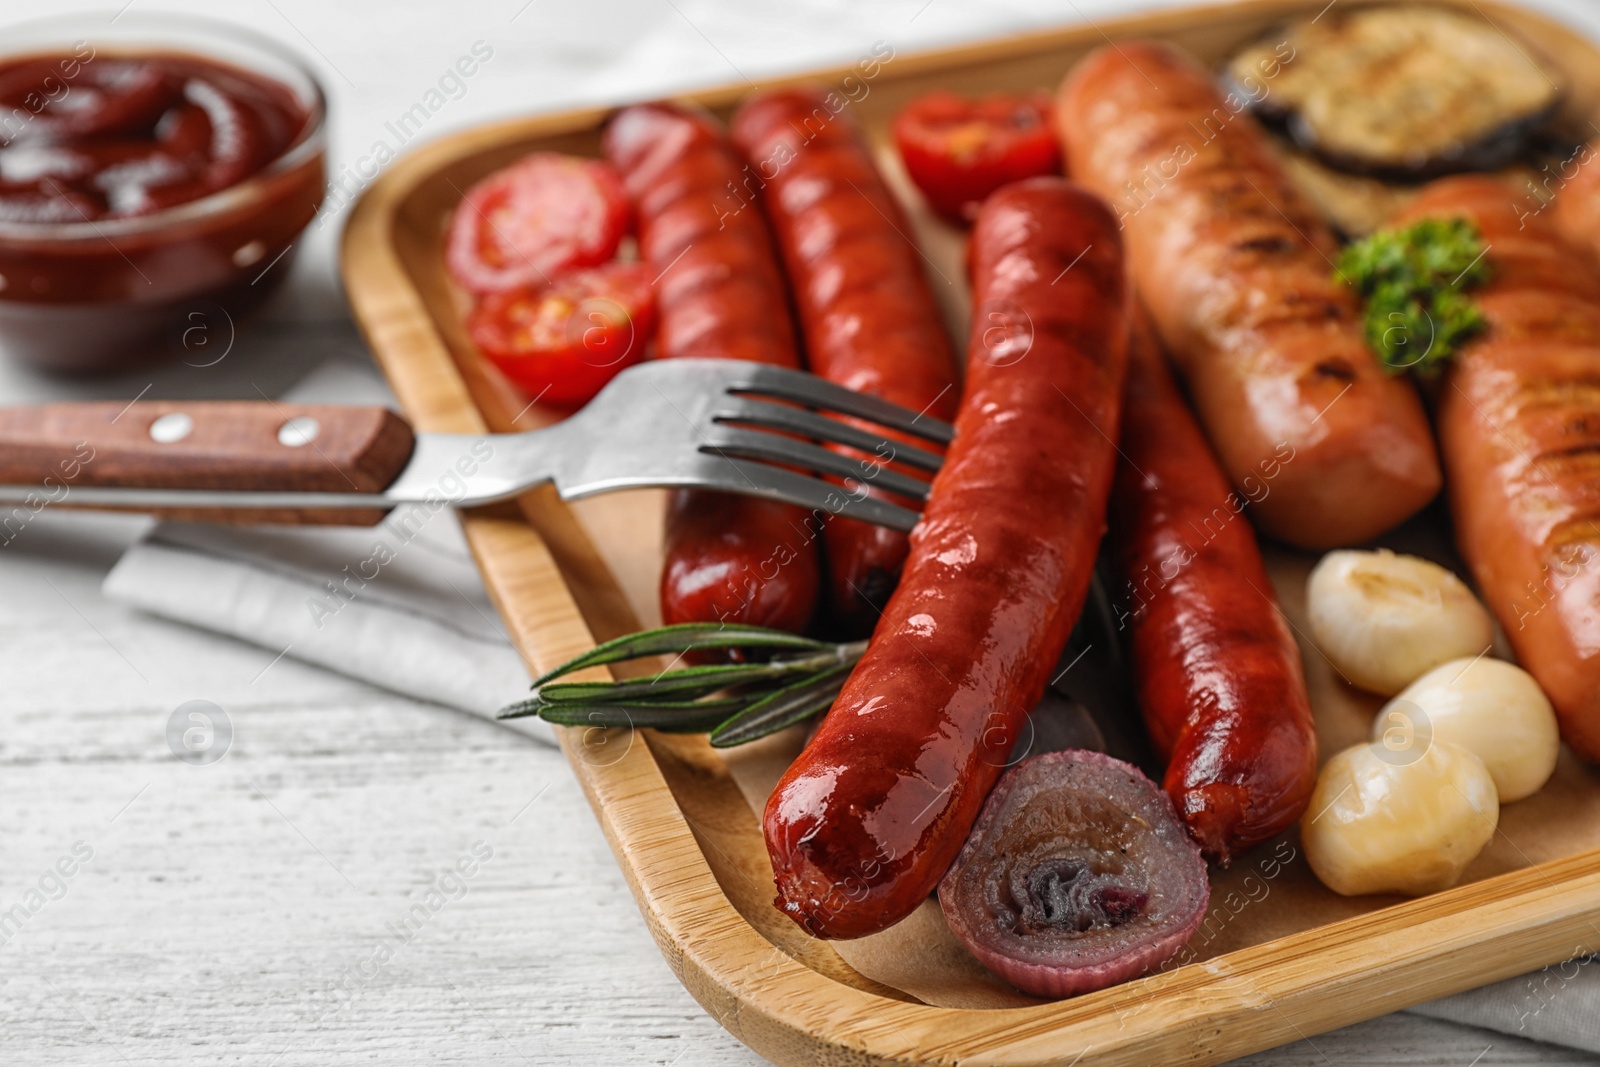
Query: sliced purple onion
{"points": [[1077, 876]]}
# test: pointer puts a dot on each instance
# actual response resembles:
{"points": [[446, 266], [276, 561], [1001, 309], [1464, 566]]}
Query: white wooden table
{"points": [[273, 908]]}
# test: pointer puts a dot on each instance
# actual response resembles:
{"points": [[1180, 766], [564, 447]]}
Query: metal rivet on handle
{"points": [[171, 427], [298, 431]]}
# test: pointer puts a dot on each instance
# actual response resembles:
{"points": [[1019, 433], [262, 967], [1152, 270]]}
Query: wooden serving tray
{"points": [[1280, 958]]}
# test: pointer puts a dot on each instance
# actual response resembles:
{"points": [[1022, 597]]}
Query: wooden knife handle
{"points": [[239, 445]]}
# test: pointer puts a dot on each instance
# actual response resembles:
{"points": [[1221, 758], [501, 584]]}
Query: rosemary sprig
{"points": [[783, 708], [734, 702]]}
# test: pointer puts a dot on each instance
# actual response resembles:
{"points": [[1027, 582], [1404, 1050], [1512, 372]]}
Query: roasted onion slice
{"points": [[1077, 876]]}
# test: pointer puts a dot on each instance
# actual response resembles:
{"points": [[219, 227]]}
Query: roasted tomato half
{"points": [[958, 149], [562, 342], [523, 225]]}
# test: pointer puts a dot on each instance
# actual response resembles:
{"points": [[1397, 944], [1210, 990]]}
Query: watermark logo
{"points": [[51, 886], [400, 528], [54, 88], [56, 487], [1574, 559], [202, 333], [346, 184], [1248, 91], [601, 330], [853, 88], [1405, 735], [1256, 486], [445, 887], [1007, 332], [601, 746], [199, 732], [1542, 188], [1406, 334], [1004, 744]]}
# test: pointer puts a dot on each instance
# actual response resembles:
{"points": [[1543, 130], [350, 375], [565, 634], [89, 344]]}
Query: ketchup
{"points": [[105, 248], [129, 136]]}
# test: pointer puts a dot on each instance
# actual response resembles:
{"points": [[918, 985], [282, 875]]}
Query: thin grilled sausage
{"points": [[1236, 269], [720, 295], [1519, 427], [869, 319], [1219, 678], [867, 819]]}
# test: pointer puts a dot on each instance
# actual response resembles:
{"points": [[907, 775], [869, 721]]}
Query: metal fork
{"points": [[701, 423]]}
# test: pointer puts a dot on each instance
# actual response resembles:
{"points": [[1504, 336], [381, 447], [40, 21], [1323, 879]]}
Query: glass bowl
{"points": [[85, 296]]}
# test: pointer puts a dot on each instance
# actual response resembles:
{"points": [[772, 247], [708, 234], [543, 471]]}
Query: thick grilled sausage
{"points": [[869, 319], [870, 815], [1577, 202], [720, 295], [1236, 270], [1519, 426], [1219, 677]]}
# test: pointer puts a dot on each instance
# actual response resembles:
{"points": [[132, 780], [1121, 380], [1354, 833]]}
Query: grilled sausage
{"points": [[869, 319], [1519, 427], [1219, 677], [876, 807], [1577, 202], [1236, 269], [720, 295]]}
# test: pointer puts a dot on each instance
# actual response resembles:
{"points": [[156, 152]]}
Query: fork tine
{"points": [[755, 444], [808, 389], [809, 424], [656, 425], [759, 479]]}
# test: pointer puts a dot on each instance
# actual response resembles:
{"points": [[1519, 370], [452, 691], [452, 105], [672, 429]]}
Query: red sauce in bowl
{"points": [[143, 192], [116, 137]]}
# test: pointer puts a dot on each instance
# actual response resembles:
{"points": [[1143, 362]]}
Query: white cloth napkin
{"points": [[1559, 1004], [399, 606], [419, 623]]}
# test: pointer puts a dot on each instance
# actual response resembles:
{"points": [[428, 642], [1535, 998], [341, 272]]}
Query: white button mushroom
{"points": [[1398, 821], [1492, 708], [1383, 619]]}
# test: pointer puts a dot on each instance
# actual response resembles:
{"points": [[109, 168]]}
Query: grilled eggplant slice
{"points": [[1403, 92]]}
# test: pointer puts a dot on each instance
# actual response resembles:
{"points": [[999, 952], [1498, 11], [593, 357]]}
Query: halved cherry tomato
{"points": [[523, 225], [958, 150], [564, 341]]}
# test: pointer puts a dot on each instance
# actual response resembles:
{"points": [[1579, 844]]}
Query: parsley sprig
{"points": [[1413, 283]]}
